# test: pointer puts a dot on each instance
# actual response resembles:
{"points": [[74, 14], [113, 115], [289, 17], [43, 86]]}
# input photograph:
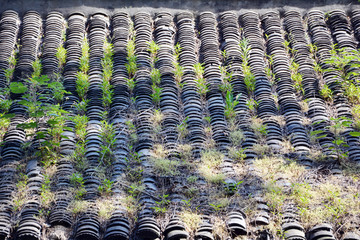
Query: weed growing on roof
{"points": [[131, 205], [296, 77], [211, 176], [37, 68], [304, 105], [106, 187], [210, 163], [230, 104], [164, 166], [135, 189], [153, 48], [227, 78], [294, 67], [77, 181], [212, 158], [80, 126], [156, 95], [42, 112], [249, 78], [46, 196], [207, 119], [192, 179], [108, 137], [231, 188], [274, 196], [78, 206], [12, 59], [220, 203], [352, 92], [322, 202], [185, 151], [317, 68], [179, 70], [245, 51], [273, 165], [155, 76], [105, 208], [342, 59], [9, 72], [130, 82], [287, 147], [319, 202], [61, 56], [201, 85], [220, 231], [50, 148], [237, 154], [82, 84], [159, 151], [252, 105], [312, 48], [107, 71], [237, 137], [191, 220], [270, 75], [355, 111], [286, 44], [261, 149], [132, 131], [182, 129], [82, 81], [326, 93], [4, 124], [5, 103], [225, 86], [161, 206], [20, 196], [224, 54], [156, 120], [108, 93], [187, 202], [84, 59], [131, 65], [339, 125], [191, 192], [134, 174], [78, 155], [258, 127]]}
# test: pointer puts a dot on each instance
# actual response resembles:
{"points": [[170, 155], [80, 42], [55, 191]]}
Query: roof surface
{"points": [[149, 123]]}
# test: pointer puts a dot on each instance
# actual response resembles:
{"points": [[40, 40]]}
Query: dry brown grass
{"points": [[185, 151], [279, 119], [219, 228], [106, 207], [78, 206], [261, 149], [209, 167], [271, 166], [191, 220], [332, 199], [287, 146], [237, 137], [304, 106]]}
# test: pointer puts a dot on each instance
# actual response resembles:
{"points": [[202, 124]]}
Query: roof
{"points": [[180, 124]]}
